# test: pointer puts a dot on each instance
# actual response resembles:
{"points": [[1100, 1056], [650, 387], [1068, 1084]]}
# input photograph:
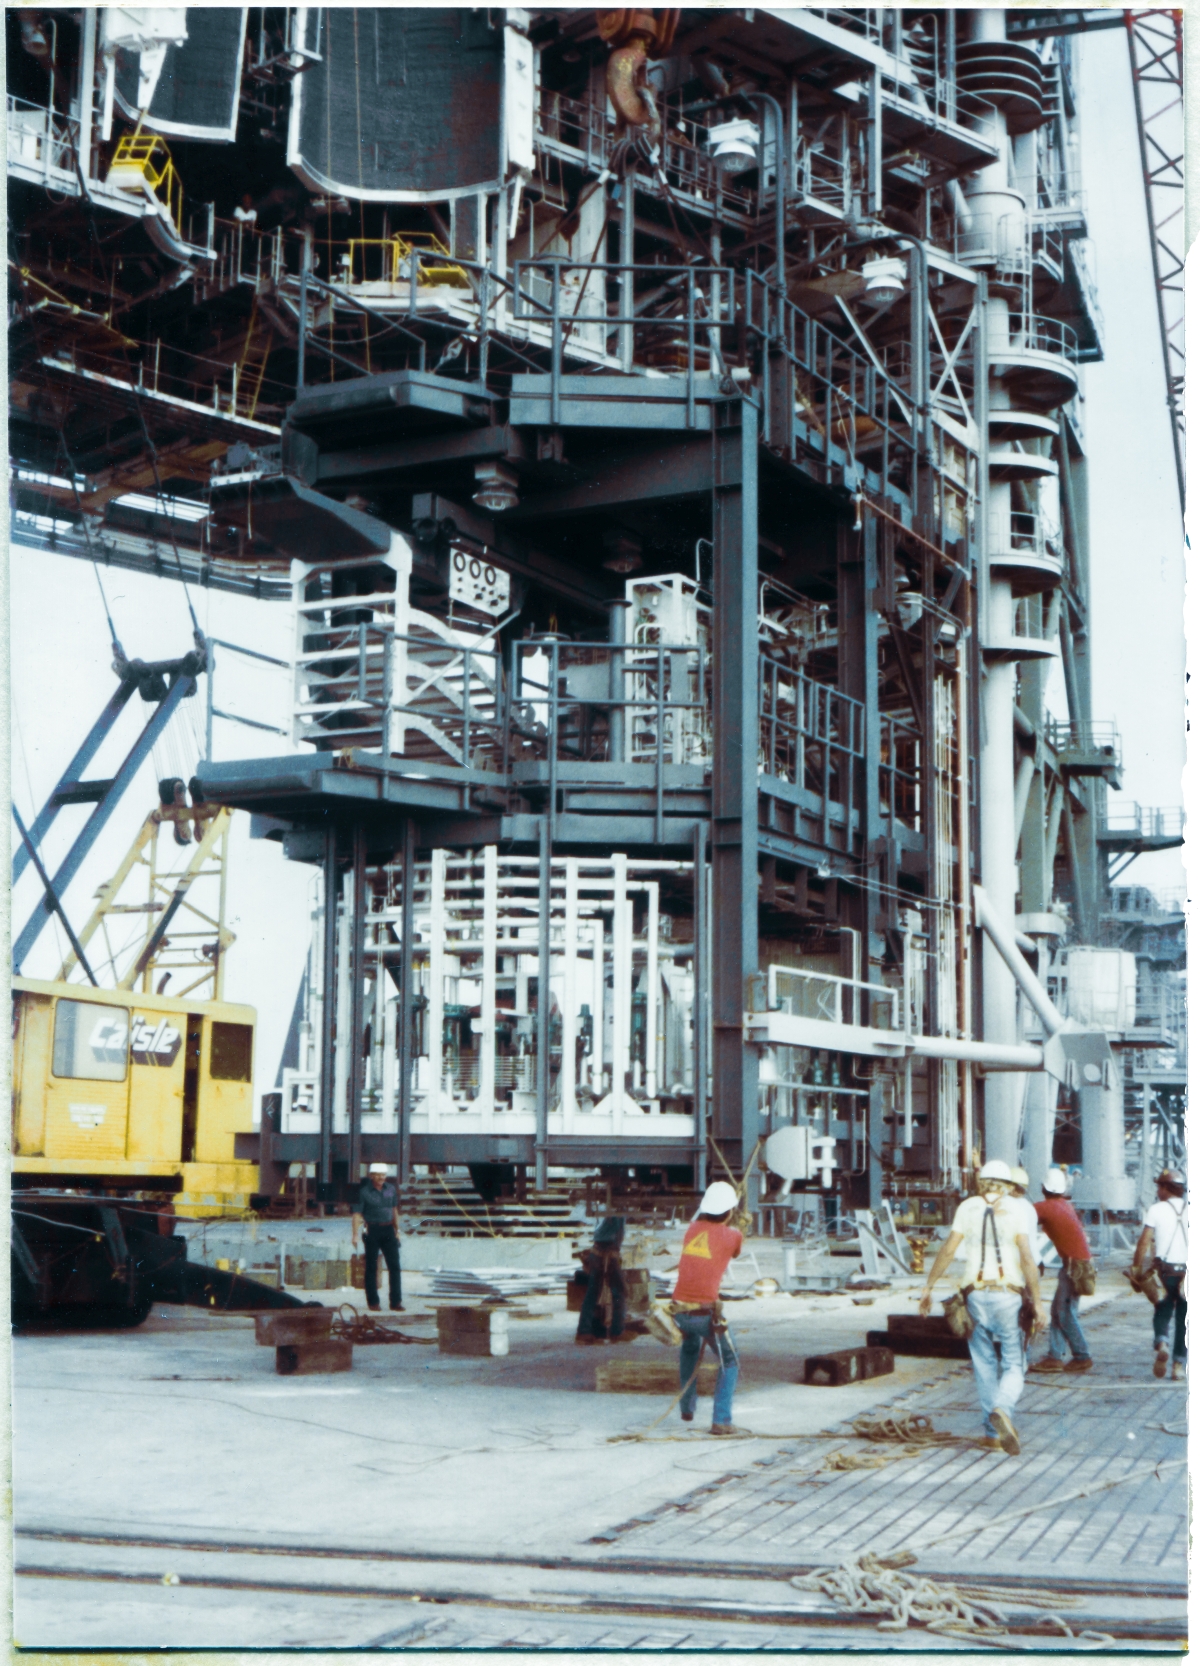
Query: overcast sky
{"points": [[61, 674]]}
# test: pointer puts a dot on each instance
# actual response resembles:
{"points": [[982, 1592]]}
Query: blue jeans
{"points": [[696, 1327], [1176, 1304], [996, 1314], [1064, 1321]]}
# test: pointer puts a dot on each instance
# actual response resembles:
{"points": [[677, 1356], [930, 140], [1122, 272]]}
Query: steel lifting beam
{"points": [[70, 778], [182, 687], [735, 779]]}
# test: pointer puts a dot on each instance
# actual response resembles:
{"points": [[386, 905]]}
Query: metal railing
{"points": [[900, 772], [1025, 532], [40, 139], [704, 317], [1035, 334], [1142, 822], [837, 1000], [809, 733], [1096, 737]]}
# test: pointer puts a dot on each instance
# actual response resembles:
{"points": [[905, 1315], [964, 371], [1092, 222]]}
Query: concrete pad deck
{"points": [[493, 1489]]}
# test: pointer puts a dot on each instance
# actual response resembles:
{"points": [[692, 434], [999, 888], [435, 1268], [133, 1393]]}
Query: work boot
{"points": [[1050, 1363], [1178, 1371], [991, 1443], [372, 1307], [1160, 1360], [1006, 1429], [688, 1416], [727, 1429], [1081, 1362]]}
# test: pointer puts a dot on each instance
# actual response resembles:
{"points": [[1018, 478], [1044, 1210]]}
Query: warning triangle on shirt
{"points": [[698, 1246]]}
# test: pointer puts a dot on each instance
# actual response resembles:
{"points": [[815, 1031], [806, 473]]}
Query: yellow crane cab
{"points": [[125, 1092]]}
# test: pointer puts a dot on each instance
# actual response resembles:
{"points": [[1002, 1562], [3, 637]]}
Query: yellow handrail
{"points": [[397, 252], [143, 159]]}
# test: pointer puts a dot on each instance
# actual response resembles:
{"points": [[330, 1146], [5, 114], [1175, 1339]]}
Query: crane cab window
{"points": [[91, 1042], [231, 1053]]}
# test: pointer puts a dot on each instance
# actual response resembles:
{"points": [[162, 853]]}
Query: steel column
{"points": [[405, 1050], [701, 1002], [328, 1005], [543, 1007], [358, 927], [735, 776]]}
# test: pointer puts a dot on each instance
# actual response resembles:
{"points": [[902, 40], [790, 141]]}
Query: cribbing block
{"points": [[926, 1338], [476, 1332], [848, 1365], [647, 1376], [292, 1327], [308, 1359]]}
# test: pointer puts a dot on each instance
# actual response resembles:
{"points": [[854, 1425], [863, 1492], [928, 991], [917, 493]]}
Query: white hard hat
{"points": [[996, 1170], [719, 1199], [1019, 1176], [1055, 1183], [378, 1168]]}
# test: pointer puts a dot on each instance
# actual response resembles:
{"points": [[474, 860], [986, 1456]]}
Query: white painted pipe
{"points": [[1001, 940]]}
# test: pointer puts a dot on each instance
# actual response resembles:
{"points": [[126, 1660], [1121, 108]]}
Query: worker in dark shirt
{"points": [[378, 1210], [1058, 1219], [602, 1316]]}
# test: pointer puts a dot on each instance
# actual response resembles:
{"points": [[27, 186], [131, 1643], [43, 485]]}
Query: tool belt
{"points": [[1146, 1282], [1169, 1269], [1081, 1270]]}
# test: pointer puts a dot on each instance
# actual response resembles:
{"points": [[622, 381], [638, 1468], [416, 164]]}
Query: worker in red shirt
{"points": [[1061, 1224], [709, 1245]]}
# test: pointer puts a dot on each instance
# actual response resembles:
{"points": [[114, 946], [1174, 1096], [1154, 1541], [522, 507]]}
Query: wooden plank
{"points": [[636, 1376]]}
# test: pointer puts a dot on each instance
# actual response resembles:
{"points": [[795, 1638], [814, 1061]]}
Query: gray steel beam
{"points": [[514, 554], [735, 1123], [661, 475], [473, 445], [42, 822], [96, 822]]}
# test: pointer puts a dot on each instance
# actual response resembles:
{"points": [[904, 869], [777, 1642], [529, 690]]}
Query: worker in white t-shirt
{"points": [[993, 1234], [1164, 1242]]}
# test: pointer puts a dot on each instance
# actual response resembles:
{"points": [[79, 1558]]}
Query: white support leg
{"points": [[437, 985], [653, 1003], [570, 1002]]}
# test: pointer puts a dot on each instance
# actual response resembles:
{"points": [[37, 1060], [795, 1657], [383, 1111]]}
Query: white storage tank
{"points": [[1101, 987]]}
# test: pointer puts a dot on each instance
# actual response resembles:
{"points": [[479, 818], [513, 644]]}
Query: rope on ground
{"points": [[913, 1429], [871, 1584], [486, 1225], [352, 1326]]}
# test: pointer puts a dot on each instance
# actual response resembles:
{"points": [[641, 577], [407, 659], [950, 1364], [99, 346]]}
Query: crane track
{"points": [[792, 1612]]}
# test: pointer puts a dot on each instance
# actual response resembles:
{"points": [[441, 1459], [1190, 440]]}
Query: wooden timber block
{"points": [[848, 1365], [649, 1376], [939, 1342], [358, 1272], [293, 1327], [337, 1275], [309, 1359], [477, 1332]]}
